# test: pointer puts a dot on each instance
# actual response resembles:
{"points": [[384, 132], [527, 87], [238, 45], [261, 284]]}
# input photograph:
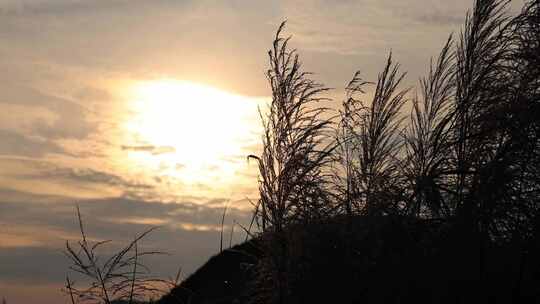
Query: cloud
{"points": [[441, 18], [63, 178], [337, 38], [94, 95], [112, 38], [35, 169], [42, 115], [14, 196], [113, 217], [16, 144], [91, 176], [63, 7], [190, 232], [154, 150], [32, 265]]}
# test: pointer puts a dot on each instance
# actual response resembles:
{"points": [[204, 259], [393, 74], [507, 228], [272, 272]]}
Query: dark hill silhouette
{"points": [[387, 259], [225, 278]]}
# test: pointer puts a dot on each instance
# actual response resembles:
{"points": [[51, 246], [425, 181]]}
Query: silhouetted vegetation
{"points": [[376, 206], [121, 278], [466, 161]]}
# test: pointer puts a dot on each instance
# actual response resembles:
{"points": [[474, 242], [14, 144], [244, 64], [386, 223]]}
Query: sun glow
{"points": [[190, 131]]}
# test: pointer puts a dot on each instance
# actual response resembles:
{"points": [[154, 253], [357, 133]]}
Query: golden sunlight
{"points": [[190, 131]]}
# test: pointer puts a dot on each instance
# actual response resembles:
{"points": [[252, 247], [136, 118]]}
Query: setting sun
{"points": [[194, 130]]}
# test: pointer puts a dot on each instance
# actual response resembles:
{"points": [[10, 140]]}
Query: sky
{"points": [[142, 112]]}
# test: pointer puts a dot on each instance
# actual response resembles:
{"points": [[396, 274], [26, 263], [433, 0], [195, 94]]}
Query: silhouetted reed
{"points": [[121, 278], [370, 144], [427, 140], [468, 156], [295, 143], [296, 149]]}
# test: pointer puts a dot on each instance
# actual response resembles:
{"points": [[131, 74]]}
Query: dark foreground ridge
{"points": [[374, 260], [223, 279]]}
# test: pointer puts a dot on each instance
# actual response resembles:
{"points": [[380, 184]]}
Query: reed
{"points": [[119, 278]]}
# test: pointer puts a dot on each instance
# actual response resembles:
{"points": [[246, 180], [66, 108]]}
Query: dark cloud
{"points": [[440, 18], [92, 176], [15, 144], [71, 120], [92, 94], [155, 150], [139, 148], [208, 213], [19, 197], [62, 7], [32, 265], [117, 219], [35, 169], [216, 203]]}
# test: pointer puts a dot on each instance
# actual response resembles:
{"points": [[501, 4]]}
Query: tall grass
{"points": [[371, 132], [468, 154], [427, 140], [296, 150], [471, 130], [295, 143], [120, 278]]}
